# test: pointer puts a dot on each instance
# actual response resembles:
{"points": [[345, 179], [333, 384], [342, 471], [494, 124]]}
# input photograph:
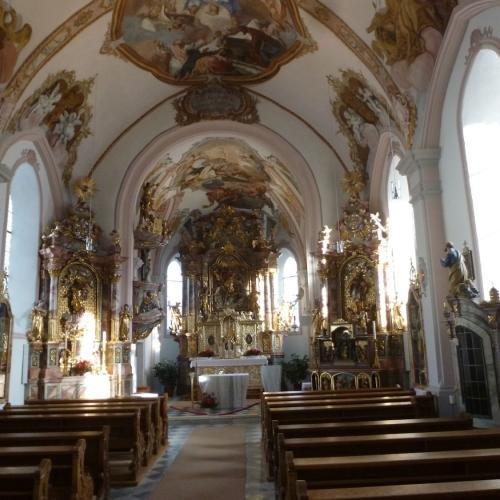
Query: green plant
{"points": [[166, 372], [295, 370]]}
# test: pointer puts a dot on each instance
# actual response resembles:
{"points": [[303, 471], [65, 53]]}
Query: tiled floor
{"points": [[257, 487]]}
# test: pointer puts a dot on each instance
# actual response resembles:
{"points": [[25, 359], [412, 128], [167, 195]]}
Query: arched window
{"points": [[21, 261], [174, 288], [8, 236], [401, 230], [481, 130], [21, 245], [288, 289]]}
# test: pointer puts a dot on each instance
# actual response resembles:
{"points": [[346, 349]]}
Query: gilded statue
{"points": [[38, 315], [149, 302], [317, 319], [77, 294], [125, 322], [460, 285], [146, 206], [176, 318], [398, 321]]}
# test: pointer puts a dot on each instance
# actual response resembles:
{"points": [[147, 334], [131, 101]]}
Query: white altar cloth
{"points": [[230, 389], [271, 377], [243, 361]]}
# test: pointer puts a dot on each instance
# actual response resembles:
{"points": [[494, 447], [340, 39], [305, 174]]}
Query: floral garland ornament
{"points": [[60, 108]]}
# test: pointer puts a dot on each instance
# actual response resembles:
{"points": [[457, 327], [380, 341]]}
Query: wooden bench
{"points": [[391, 468], [333, 401], [68, 478], [452, 490], [96, 451], [26, 482], [326, 429], [273, 397], [383, 443], [338, 412], [148, 430], [126, 444], [160, 412]]}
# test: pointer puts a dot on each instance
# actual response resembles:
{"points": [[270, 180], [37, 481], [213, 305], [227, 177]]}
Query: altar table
{"points": [[244, 364], [230, 389]]}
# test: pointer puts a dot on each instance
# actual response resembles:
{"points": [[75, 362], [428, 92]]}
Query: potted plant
{"points": [[295, 370], [166, 372]]}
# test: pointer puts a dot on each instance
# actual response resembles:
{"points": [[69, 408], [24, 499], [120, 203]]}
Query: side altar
{"points": [[246, 364], [79, 341]]}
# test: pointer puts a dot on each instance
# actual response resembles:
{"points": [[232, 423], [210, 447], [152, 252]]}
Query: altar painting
{"points": [[183, 41]]}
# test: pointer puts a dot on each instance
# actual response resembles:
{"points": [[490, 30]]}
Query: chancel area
{"points": [[248, 249]]}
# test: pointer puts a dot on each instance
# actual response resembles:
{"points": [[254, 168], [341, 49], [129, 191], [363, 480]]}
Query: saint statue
{"points": [[460, 283], [37, 323], [176, 318], [317, 319], [77, 294], [125, 321]]}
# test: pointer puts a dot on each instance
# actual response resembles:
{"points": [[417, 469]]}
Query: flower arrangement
{"points": [[81, 367], [208, 400], [207, 353], [252, 352]]}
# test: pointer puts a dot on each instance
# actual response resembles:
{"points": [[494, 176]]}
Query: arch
{"points": [[139, 168], [447, 57], [11, 154]]}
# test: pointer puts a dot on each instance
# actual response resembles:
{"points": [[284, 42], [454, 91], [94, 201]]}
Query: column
{"points": [[421, 167]]}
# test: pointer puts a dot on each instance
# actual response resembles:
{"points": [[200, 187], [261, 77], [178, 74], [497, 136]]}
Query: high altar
{"points": [[229, 318]]}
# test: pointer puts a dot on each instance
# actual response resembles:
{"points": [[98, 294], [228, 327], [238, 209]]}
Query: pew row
{"points": [[160, 403], [360, 428], [382, 443], [126, 444], [391, 468], [422, 406], [96, 451], [26, 482], [68, 479], [147, 427], [449, 490]]}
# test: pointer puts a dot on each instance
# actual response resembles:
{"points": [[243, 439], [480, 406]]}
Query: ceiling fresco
{"points": [[408, 35], [184, 41], [14, 35], [226, 171]]}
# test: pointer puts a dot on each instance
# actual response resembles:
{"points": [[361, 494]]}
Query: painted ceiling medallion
{"points": [[184, 41]]}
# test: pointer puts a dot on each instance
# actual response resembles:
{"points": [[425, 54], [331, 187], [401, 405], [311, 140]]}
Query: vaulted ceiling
{"points": [[342, 70]]}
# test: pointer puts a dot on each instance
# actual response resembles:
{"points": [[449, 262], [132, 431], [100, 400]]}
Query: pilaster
{"points": [[421, 168]]}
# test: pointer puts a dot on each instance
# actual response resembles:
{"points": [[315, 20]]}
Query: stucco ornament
{"points": [[60, 108]]}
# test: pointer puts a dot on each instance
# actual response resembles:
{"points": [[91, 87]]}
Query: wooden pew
{"points": [[26, 482], [96, 451], [340, 391], [450, 490], [273, 397], [383, 443], [147, 426], [391, 468], [160, 412], [367, 427], [126, 444], [339, 411], [68, 478], [424, 406]]}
